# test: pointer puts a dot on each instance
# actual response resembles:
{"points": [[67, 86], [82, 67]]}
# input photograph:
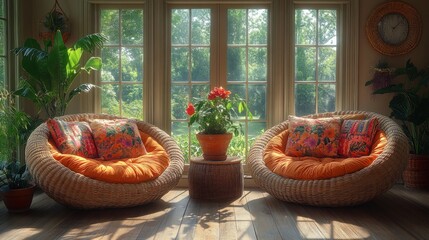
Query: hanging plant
{"points": [[54, 20], [382, 76]]}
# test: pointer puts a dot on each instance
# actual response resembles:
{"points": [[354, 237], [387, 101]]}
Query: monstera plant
{"points": [[51, 71]]}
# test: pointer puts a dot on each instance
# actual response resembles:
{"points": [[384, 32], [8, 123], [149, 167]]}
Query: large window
{"points": [[315, 60], [122, 73], [3, 44], [284, 57], [234, 56]]}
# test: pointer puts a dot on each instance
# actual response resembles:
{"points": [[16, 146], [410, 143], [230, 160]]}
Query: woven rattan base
{"points": [[215, 180]]}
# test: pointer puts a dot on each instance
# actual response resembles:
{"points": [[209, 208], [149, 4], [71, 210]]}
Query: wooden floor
{"points": [[399, 214]]}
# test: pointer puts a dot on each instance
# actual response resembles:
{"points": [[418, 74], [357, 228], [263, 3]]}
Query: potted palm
{"points": [[15, 182], [51, 71], [409, 106]]}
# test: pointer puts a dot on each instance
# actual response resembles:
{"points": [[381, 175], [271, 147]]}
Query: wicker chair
{"points": [[77, 191], [351, 189]]}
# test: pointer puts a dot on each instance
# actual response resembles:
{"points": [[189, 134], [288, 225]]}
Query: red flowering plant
{"points": [[214, 115]]}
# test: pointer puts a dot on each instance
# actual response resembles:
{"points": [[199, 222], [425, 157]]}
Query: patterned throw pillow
{"points": [[313, 137], [356, 137], [116, 139], [73, 137]]}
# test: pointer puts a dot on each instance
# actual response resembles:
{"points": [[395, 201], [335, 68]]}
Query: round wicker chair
{"points": [[351, 189], [78, 191]]}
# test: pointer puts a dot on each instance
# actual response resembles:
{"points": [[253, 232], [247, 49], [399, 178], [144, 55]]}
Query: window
{"points": [[315, 60], [284, 57], [234, 57], [3, 44], [122, 74]]}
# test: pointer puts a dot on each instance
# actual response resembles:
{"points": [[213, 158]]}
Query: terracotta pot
{"points": [[18, 200], [416, 175], [214, 146]]}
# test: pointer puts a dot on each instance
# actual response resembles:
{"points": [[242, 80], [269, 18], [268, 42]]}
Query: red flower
{"points": [[190, 110], [218, 92]]}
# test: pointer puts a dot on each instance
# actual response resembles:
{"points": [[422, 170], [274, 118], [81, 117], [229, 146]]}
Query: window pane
{"points": [[327, 27], [3, 38], [109, 25], [110, 70], [305, 64], [326, 98], [2, 72], [327, 64], [179, 64], [180, 26], [200, 26], [200, 64], [2, 8], [236, 64], [305, 26], [179, 100], [132, 64], [258, 22], [200, 91], [122, 65], [257, 101], [110, 99], [179, 131], [258, 64], [132, 101], [133, 32], [237, 26], [305, 99], [240, 90]]}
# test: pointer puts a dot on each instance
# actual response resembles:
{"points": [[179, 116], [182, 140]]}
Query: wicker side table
{"points": [[215, 180]]}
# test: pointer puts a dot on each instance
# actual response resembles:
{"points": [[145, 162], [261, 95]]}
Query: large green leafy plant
{"points": [[51, 71], [410, 104], [15, 127]]}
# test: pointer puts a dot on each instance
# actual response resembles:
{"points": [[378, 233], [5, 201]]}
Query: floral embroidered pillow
{"points": [[313, 137], [116, 139], [357, 137], [73, 138]]}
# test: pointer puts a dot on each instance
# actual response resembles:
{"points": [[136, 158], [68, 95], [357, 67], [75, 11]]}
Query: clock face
{"points": [[393, 28]]}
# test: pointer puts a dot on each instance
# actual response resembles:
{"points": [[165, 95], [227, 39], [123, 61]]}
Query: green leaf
{"points": [[94, 63], [57, 63], [83, 88], [395, 88], [90, 42]]}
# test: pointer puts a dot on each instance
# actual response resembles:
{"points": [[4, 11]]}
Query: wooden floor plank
{"points": [[263, 221], [398, 214], [243, 218]]}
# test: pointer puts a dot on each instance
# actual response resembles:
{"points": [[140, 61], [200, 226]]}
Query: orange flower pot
{"points": [[214, 146]]}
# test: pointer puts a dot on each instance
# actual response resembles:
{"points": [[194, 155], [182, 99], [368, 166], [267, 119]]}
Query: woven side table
{"points": [[215, 180]]}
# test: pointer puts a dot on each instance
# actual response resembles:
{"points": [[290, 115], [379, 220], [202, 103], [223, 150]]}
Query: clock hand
{"points": [[393, 28]]}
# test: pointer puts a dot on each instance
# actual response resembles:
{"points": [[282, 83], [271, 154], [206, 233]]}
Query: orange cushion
{"points": [[311, 168], [127, 170]]}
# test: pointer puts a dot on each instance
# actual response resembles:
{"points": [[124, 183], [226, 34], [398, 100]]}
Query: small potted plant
{"points": [[15, 181], [214, 116], [409, 105]]}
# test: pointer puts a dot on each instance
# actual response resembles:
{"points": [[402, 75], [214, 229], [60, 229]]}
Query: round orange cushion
{"points": [[312, 168], [128, 170]]}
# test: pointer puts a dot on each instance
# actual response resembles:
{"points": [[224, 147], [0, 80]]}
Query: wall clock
{"points": [[394, 28]]}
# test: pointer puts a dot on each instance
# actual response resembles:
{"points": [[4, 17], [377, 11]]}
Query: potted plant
{"points": [[15, 181], [51, 71], [214, 117], [53, 21], [409, 106]]}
